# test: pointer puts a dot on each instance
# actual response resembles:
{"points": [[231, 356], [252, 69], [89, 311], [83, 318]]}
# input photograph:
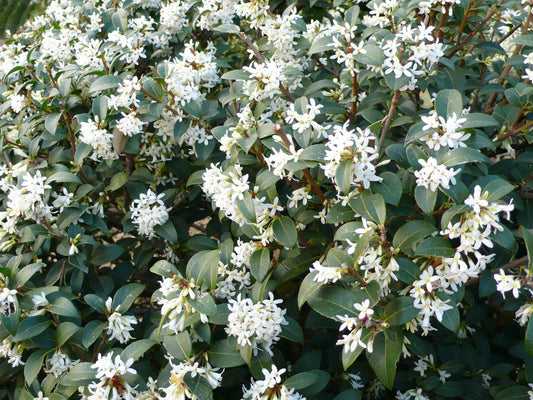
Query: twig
{"points": [[388, 119], [355, 89]]}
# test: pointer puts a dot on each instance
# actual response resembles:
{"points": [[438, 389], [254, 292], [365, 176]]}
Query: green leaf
{"points": [[344, 175], [164, 269], [528, 239], [285, 232], [426, 198], [307, 379], [137, 349], [478, 120], [292, 331], [237, 75], [371, 207], [117, 181], [529, 337], [513, 393], [96, 302], [321, 45], [91, 332], [225, 355], [351, 394], [51, 122], [126, 295], [203, 267], [385, 355], [65, 331], [448, 102], [80, 375], [167, 231], [390, 188], [105, 83], [246, 207], [227, 28], [408, 272], [331, 301], [411, 233], [400, 311], [308, 288], [100, 107], [463, 155], [178, 346], [199, 386], [204, 304], [63, 177], [63, 306], [33, 365], [104, 254], [31, 327], [373, 55], [435, 247], [260, 264]]}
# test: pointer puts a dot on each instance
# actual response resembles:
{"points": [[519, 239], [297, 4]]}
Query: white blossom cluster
{"points": [[148, 211], [173, 298], [257, 325], [177, 388], [443, 132], [235, 277], [12, 351], [59, 363], [270, 387], [347, 144], [119, 326], [99, 139], [110, 379], [356, 326], [434, 175]]}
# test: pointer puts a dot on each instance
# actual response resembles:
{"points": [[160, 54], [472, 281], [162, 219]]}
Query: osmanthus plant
{"points": [[267, 200]]}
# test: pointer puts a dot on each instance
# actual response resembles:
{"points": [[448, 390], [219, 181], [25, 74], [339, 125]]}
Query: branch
{"points": [[388, 119]]}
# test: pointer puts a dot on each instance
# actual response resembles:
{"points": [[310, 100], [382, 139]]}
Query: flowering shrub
{"points": [[267, 200]]}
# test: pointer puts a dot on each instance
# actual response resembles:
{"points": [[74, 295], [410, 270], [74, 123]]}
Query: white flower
{"points": [[364, 309], [326, 274], [148, 211], [40, 396], [119, 326], [433, 175]]}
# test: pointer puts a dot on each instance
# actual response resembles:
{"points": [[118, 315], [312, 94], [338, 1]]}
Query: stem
{"points": [[471, 35], [388, 119], [355, 89], [490, 103]]}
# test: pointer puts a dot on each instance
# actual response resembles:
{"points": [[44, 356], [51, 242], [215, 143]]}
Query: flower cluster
{"points": [[148, 211], [119, 326], [257, 325], [433, 175], [270, 387]]}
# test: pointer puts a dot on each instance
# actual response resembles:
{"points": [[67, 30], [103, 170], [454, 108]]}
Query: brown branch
{"points": [[388, 119], [505, 72], [515, 130], [354, 95], [476, 30]]}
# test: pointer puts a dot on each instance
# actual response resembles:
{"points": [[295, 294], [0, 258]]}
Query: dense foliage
{"points": [[14, 13], [267, 200]]}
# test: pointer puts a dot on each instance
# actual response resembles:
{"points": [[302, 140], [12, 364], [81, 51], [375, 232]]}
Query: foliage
{"points": [[221, 199]]}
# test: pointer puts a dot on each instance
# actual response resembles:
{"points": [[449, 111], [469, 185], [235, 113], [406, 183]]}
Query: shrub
{"points": [[267, 201]]}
